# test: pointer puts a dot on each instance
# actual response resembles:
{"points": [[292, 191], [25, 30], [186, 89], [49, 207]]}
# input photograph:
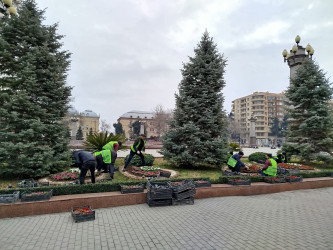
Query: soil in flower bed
{"points": [[295, 166], [83, 213], [253, 168]]}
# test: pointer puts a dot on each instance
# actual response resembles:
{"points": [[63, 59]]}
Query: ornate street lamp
{"points": [[297, 55]]}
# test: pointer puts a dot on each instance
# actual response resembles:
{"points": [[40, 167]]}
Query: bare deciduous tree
{"points": [[105, 127], [161, 119]]}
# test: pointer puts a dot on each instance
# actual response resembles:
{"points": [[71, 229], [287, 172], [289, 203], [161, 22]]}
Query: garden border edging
{"points": [[64, 203]]}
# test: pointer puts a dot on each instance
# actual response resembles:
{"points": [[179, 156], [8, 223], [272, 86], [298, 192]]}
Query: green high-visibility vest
{"points": [[144, 144], [271, 170], [106, 155], [232, 162], [109, 145]]}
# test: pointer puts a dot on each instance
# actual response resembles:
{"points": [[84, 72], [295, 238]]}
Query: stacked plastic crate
{"points": [[159, 194], [183, 192]]}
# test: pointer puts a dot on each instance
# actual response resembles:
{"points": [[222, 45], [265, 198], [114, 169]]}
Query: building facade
{"points": [[88, 120], [264, 106], [144, 117]]}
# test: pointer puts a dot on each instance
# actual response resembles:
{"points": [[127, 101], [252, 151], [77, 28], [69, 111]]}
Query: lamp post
{"points": [[7, 8], [253, 139], [297, 56]]}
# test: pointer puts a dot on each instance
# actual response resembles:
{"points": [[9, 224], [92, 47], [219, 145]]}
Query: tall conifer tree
{"points": [[198, 134], [310, 124], [33, 95]]}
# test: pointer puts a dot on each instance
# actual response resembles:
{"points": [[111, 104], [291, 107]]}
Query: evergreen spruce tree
{"points": [[79, 134], [310, 124], [198, 134], [33, 95]]}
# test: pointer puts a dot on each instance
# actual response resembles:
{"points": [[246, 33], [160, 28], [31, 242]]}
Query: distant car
{"points": [[273, 147]]}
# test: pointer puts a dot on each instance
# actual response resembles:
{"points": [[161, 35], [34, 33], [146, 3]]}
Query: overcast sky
{"points": [[127, 54]]}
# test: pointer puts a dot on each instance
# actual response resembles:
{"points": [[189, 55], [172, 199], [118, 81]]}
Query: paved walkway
{"points": [[247, 151], [290, 220]]}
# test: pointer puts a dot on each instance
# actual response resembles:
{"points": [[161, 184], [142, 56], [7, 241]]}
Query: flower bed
{"points": [[125, 189], [274, 179], [83, 213], [36, 196], [293, 178], [27, 183], [145, 171], [295, 166], [10, 198], [72, 174], [202, 183], [251, 168], [239, 181]]}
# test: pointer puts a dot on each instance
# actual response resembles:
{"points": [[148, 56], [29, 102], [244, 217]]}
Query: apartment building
{"points": [[264, 106]]}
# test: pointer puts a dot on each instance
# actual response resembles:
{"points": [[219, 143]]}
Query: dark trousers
{"points": [[111, 170], [100, 164], [84, 169], [236, 168], [132, 155]]}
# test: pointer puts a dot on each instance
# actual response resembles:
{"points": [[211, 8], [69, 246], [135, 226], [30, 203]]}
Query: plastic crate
{"points": [[202, 183], [10, 198], [239, 181], [157, 203], [159, 190], [44, 184], [274, 179], [125, 190], [184, 195], [178, 187], [294, 178], [27, 183], [78, 217], [29, 196], [187, 201]]}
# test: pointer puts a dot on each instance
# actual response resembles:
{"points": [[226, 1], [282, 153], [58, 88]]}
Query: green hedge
{"points": [[136, 160], [115, 186], [259, 157]]}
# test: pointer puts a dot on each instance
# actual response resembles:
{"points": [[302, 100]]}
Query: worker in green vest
{"points": [[234, 163], [106, 159], [137, 148], [281, 158], [112, 145], [270, 167]]}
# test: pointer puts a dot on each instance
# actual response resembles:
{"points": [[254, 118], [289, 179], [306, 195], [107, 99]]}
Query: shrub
{"points": [[259, 157], [136, 160], [235, 146]]}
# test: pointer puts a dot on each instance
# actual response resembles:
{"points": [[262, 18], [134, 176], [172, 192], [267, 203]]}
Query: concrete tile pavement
{"points": [[291, 220]]}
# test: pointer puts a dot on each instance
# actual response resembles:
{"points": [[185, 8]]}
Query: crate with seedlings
{"points": [[274, 179], [202, 183], [83, 213], [36, 196], [178, 187], [126, 189], [159, 193], [293, 178], [10, 198], [239, 181], [27, 183]]}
